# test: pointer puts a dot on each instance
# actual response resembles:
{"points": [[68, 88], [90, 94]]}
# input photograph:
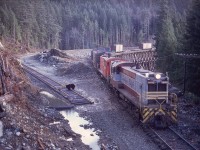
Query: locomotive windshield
{"points": [[157, 87]]}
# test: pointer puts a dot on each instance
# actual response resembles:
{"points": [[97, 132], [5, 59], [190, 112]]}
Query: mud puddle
{"points": [[80, 126]]}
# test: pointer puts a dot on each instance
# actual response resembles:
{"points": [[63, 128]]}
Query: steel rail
{"points": [[156, 137], [173, 142], [71, 95], [161, 139], [182, 138]]}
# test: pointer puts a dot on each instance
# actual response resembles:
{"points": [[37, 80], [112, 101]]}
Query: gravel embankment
{"points": [[116, 127]]}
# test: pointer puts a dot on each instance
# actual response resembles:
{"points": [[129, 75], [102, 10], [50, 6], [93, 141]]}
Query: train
{"points": [[145, 89]]}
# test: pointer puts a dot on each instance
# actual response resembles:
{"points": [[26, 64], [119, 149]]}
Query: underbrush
{"points": [[192, 98]]}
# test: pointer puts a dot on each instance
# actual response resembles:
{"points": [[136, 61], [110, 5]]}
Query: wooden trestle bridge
{"points": [[145, 58]]}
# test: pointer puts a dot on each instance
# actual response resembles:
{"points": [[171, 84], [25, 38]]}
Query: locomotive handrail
{"points": [[173, 98]]}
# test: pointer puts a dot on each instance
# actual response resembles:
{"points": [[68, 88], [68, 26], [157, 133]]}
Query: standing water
{"points": [[88, 136]]}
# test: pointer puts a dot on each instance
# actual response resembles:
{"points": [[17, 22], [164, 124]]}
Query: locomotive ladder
{"points": [[145, 58]]}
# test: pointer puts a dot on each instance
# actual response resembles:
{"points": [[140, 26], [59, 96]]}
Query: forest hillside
{"points": [[83, 24], [172, 25]]}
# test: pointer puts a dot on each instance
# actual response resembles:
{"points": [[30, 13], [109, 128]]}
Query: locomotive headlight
{"points": [[158, 76]]}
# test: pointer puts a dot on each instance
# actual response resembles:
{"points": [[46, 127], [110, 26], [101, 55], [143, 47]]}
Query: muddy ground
{"points": [[116, 127]]}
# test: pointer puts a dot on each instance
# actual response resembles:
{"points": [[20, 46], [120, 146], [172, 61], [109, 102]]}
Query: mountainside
{"points": [[83, 24]]}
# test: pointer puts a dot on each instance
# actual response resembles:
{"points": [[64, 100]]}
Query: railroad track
{"points": [[166, 139], [169, 139], [71, 95]]}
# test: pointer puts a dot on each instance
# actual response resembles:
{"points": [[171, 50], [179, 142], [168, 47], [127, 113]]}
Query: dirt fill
{"points": [[73, 68], [53, 57]]}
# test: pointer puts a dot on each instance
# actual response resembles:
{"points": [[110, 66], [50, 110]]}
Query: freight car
{"points": [[145, 89], [96, 53]]}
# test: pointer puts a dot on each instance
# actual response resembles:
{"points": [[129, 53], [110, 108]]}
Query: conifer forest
{"points": [[173, 26]]}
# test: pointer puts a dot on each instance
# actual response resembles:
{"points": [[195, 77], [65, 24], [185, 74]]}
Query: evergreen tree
{"points": [[166, 42], [68, 24], [192, 46]]}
